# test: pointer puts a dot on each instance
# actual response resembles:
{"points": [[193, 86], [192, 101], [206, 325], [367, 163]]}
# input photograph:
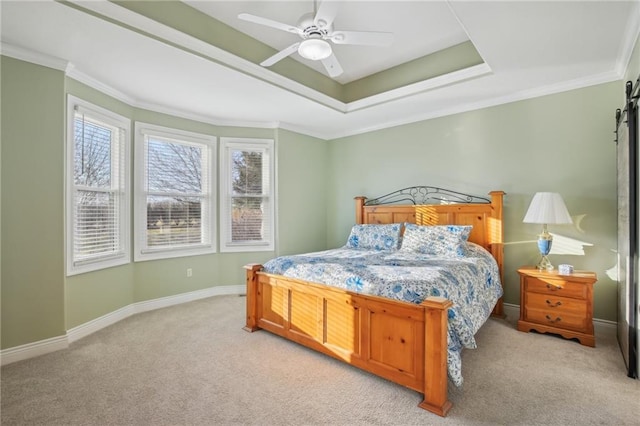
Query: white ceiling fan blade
{"points": [[332, 65], [326, 14], [280, 55], [370, 38], [270, 23]]}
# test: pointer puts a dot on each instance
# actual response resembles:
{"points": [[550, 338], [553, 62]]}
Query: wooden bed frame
{"points": [[402, 342]]}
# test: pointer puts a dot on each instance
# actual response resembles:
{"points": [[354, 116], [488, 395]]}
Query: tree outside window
{"points": [[97, 209], [175, 200], [247, 210]]}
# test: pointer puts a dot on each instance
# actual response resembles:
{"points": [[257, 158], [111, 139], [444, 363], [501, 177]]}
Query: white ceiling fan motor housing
{"points": [[311, 30]]}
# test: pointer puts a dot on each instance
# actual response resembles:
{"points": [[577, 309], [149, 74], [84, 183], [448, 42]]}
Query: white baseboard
{"points": [[90, 327], [163, 302], [30, 350], [600, 326]]}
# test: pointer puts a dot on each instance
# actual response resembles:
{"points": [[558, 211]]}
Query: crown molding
{"points": [[631, 34], [71, 71], [472, 72], [565, 86], [302, 130], [123, 97], [94, 83], [421, 87], [37, 58], [579, 83], [203, 118]]}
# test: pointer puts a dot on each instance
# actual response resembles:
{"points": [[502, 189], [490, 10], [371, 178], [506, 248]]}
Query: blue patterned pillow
{"points": [[438, 240], [375, 237]]}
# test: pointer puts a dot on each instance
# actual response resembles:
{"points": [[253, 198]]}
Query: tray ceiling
{"points": [[197, 60]]}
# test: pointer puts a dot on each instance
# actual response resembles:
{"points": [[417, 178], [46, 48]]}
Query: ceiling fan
{"points": [[316, 31]]}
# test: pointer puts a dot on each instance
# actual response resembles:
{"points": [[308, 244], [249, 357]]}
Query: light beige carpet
{"points": [[193, 364]]}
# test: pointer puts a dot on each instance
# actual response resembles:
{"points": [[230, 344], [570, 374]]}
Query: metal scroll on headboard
{"points": [[419, 195]]}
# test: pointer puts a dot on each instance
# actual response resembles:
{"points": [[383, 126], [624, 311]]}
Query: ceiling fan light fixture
{"points": [[314, 49]]}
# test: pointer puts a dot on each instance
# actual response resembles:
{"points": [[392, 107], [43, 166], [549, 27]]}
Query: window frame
{"points": [[141, 251], [253, 144], [123, 255]]}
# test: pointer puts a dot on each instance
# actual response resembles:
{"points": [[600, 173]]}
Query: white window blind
{"points": [[174, 199], [248, 204], [98, 182]]}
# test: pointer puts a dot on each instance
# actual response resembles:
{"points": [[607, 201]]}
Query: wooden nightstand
{"points": [[554, 303]]}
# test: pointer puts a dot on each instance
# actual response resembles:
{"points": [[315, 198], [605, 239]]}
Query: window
{"points": [[247, 195], [174, 193], [98, 182]]}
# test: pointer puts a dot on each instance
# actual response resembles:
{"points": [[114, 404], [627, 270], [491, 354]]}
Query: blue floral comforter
{"points": [[471, 282]]}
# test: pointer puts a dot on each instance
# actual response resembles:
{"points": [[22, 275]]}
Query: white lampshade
{"points": [[314, 49], [547, 208]]}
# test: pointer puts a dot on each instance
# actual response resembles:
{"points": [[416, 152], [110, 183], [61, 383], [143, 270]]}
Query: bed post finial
{"points": [[496, 203], [360, 209]]}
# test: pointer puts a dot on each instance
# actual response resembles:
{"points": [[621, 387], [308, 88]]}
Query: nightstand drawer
{"points": [[555, 304], [556, 319], [557, 287]]}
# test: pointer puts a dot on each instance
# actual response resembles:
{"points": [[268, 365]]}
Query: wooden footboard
{"points": [[401, 342]]}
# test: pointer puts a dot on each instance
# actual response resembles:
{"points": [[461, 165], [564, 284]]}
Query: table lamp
{"points": [[546, 208]]}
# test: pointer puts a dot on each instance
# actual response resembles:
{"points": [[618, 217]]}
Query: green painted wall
{"points": [[302, 212], [160, 278], [92, 295], [32, 202], [560, 143], [38, 301]]}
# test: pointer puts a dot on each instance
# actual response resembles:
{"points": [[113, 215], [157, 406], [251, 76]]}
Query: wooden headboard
{"points": [[485, 217]]}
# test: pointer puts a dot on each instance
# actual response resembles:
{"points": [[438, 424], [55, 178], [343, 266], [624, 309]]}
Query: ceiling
{"points": [[188, 63], [424, 27]]}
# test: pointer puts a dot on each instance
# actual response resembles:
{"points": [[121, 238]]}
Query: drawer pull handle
{"points": [[553, 287], [558, 319], [553, 305]]}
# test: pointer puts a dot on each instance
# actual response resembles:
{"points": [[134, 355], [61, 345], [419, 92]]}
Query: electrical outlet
{"points": [[189, 272]]}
